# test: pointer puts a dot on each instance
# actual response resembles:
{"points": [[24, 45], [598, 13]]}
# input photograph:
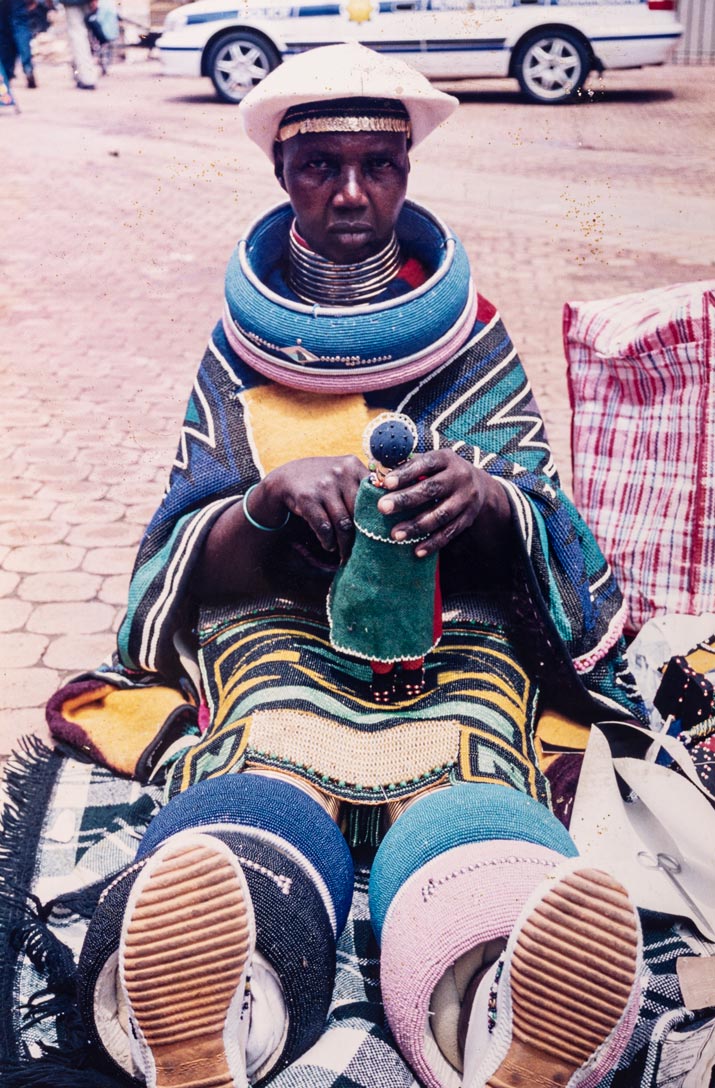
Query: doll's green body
{"points": [[382, 601]]}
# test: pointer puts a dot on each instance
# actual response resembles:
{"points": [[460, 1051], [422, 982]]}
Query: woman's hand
{"points": [[320, 490], [237, 558], [457, 493]]}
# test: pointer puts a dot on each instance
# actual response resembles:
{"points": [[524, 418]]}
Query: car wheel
{"points": [[552, 67], [238, 61]]}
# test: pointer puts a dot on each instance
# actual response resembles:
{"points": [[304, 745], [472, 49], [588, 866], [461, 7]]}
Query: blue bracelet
{"points": [[257, 524]]}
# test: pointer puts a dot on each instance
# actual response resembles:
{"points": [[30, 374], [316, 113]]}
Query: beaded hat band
{"points": [[345, 115]]}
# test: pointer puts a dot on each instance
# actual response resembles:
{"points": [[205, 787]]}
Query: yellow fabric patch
{"points": [[556, 734], [121, 723], [702, 659], [288, 423]]}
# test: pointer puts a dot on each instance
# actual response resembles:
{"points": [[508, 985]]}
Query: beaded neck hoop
{"points": [[316, 279], [348, 349]]}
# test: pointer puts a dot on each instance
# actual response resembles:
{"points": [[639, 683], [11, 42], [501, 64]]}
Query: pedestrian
{"points": [[40, 16], [85, 69], [210, 960], [16, 38]]}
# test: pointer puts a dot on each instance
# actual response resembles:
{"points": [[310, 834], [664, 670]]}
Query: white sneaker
{"points": [[186, 947], [568, 994]]}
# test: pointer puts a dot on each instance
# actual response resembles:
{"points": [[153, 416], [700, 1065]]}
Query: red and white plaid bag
{"points": [[641, 371]]}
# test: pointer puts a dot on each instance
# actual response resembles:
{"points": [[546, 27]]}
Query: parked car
{"points": [[549, 46]]}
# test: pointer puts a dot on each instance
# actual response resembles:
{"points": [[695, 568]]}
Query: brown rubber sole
{"points": [[572, 971], [187, 943]]}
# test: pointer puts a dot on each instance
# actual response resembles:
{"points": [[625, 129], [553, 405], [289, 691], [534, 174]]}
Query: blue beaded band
{"points": [[257, 524]]}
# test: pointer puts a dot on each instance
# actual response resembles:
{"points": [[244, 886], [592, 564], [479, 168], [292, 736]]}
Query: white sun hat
{"points": [[342, 72]]}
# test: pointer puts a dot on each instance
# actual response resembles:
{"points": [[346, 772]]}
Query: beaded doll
{"points": [[384, 603]]}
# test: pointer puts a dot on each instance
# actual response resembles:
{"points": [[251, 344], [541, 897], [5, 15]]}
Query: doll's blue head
{"points": [[392, 442]]}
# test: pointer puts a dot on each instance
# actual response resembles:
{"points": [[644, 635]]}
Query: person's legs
{"points": [[8, 48], [77, 34], [232, 861], [448, 887], [22, 33]]}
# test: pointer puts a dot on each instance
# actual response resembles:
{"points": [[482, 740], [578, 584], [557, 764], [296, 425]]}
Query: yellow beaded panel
{"points": [[286, 423], [351, 755], [281, 696]]}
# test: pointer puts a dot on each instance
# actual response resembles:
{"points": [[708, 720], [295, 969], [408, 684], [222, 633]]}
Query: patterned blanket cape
{"points": [[567, 609]]}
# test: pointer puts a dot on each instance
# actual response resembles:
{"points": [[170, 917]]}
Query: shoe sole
{"points": [[187, 943], [573, 969]]}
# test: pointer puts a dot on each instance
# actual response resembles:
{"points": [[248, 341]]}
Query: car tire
{"points": [[552, 67], [238, 61]]}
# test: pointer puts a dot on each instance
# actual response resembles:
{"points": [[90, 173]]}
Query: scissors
{"points": [[669, 865]]}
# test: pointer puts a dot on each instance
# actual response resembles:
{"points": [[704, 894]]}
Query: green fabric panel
{"points": [[192, 412], [382, 601], [556, 603]]}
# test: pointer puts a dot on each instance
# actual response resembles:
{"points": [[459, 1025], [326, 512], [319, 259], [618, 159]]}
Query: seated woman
{"points": [[505, 960]]}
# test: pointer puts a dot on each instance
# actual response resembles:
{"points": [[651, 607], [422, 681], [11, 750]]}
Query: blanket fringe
{"points": [[22, 770], [28, 778], [56, 1070]]}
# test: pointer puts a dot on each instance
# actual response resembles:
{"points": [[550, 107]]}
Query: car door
{"points": [[442, 38], [448, 39]]}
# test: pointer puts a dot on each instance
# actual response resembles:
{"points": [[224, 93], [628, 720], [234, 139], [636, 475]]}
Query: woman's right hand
{"points": [[236, 556], [320, 490]]}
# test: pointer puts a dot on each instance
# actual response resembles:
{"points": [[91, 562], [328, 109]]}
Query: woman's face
{"points": [[347, 189]]}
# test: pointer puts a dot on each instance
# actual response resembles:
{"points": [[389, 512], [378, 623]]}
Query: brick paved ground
{"points": [[119, 210]]}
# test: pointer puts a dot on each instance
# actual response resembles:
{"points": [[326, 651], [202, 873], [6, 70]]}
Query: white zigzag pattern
{"points": [[480, 460], [209, 439], [526, 441]]}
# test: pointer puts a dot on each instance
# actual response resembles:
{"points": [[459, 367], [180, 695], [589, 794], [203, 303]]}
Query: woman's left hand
{"points": [[457, 494]]}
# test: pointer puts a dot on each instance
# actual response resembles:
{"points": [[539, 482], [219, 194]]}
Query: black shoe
{"points": [[411, 682], [86, 86], [30, 77], [383, 686]]}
